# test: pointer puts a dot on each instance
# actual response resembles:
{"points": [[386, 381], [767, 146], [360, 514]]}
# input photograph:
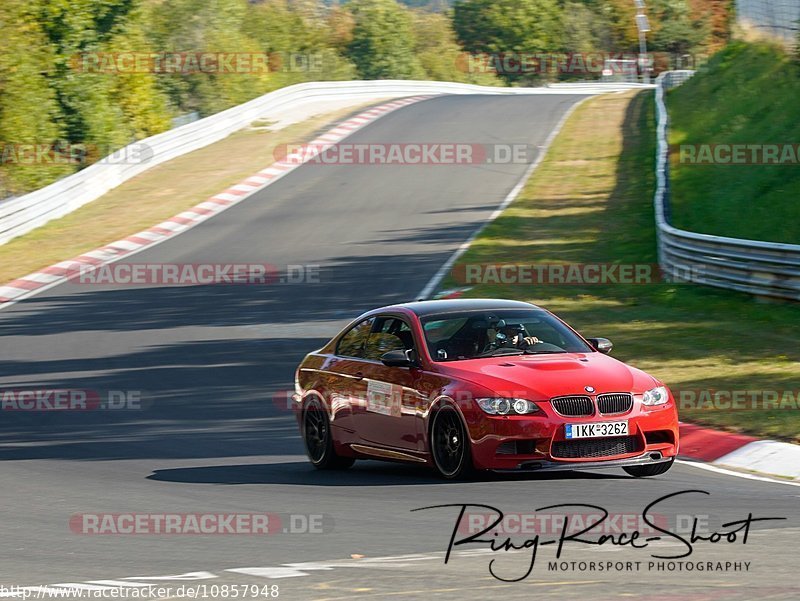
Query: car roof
{"points": [[434, 307]]}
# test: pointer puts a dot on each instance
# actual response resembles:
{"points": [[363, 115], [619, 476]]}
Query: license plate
{"points": [[596, 430]]}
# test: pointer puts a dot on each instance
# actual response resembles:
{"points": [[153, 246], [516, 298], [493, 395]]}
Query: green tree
{"points": [[213, 26], [383, 41], [144, 105], [299, 38], [674, 29], [74, 27], [587, 28], [439, 54], [509, 27], [29, 112]]}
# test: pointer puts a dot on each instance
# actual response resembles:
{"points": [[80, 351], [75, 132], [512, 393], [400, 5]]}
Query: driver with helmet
{"points": [[513, 336]]}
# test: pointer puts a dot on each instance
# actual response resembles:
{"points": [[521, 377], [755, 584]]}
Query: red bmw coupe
{"points": [[480, 384]]}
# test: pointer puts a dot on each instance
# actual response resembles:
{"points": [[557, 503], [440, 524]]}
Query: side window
{"points": [[352, 343], [443, 329], [389, 334]]}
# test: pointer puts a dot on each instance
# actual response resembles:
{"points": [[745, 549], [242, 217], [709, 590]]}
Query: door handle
{"points": [[359, 375]]}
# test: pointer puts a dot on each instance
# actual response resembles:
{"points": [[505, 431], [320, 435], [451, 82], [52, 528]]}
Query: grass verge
{"points": [[589, 202], [746, 95], [156, 195]]}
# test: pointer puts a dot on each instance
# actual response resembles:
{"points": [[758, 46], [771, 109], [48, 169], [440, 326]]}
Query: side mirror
{"points": [[601, 344], [399, 358]]}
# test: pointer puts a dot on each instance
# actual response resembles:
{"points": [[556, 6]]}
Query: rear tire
{"points": [[449, 445], [318, 439], [643, 471]]}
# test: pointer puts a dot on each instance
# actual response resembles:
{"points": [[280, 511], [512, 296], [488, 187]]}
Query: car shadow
{"points": [[363, 473]]}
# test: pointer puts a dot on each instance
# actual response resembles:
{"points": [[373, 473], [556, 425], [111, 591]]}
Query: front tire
{"points": [[318, 439], [644, 471], [449, 445]]}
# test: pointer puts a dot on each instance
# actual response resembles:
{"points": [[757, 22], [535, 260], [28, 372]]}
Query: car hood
{"points": [[540, 377]]}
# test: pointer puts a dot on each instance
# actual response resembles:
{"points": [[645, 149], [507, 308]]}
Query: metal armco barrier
{"points": [[760, 268]]}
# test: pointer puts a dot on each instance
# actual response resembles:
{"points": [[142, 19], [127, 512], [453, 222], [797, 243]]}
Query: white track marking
{"points": [[171, 225], [186, 576], [125, 245], [286, 570], [720, 470], [780, 459], [271, 573], [434, 282], [9, 291], [40, 277]]}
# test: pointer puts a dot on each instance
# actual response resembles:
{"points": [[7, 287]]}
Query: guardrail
{"points": [[759, 268], [25, 213]]}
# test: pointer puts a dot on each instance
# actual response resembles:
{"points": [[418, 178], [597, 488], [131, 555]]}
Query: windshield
{"points": [[476, 334]]}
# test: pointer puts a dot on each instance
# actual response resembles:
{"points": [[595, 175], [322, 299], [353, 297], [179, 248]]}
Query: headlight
{"points": [[504, 406], [656, 396]]}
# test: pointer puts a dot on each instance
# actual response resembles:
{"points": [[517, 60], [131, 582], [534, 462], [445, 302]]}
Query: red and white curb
{"points": [[54, 275], [451, 293], [726, 449]]}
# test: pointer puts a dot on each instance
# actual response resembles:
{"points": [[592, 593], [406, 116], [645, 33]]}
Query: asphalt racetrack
{"points": [[208, 362]]}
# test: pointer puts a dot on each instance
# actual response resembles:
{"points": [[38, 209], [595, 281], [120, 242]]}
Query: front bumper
{"points": [[526, 443]]}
